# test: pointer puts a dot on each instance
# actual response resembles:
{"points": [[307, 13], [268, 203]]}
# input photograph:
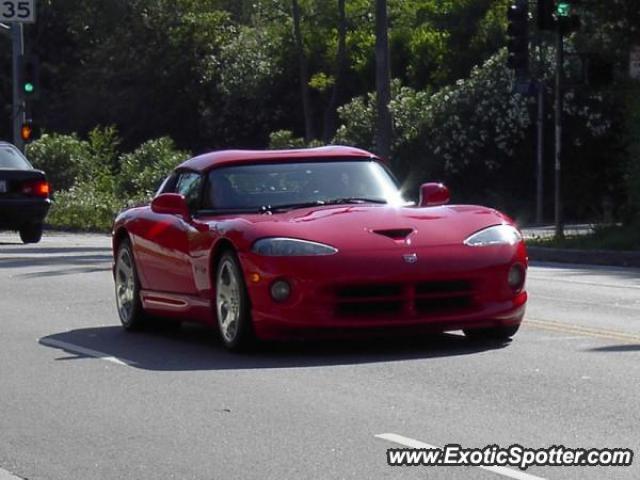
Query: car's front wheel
{"points": [[232, 304], [128, 300], [31, 233], [493, 333]]}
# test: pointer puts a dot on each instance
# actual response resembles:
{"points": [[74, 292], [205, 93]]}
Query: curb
{"points": [[587, 257]]}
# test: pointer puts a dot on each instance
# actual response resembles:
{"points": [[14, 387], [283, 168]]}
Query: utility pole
{"points": [[384, 126], [18, 111], [559, 226], [540, 154]]}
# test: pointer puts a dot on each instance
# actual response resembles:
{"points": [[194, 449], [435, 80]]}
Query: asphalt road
{"points": [[81, 399]]}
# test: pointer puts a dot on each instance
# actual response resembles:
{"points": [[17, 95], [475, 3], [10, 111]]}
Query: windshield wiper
{"points": [[356, 200], [289, 206], [319, 203]]}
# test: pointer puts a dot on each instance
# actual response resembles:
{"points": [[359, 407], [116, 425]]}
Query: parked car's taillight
{"points": [[37, 188]]}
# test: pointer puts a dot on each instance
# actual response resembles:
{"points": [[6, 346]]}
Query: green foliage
{"points": [[474, 135], [285, 139], [95, 180], [225, 73], [85, 206], [142, 171], [61, 156]]}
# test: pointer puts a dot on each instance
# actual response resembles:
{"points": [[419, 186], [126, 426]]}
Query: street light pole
{"points": [[540, 155], [18, 113]]}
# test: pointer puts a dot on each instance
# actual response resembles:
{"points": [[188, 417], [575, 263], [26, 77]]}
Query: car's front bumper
{"points": [[449, 288]]}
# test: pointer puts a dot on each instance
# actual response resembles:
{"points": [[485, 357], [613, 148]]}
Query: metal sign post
{"points": [[16, 13], [18, 113]]}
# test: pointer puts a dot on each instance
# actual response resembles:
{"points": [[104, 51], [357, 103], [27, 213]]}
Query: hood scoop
{"points": [[397, 234]]}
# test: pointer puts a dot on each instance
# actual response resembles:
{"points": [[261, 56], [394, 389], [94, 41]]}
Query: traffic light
{"points": [[568, 20], [30, 78], [26, 131], [518, 33], [546, 14]]}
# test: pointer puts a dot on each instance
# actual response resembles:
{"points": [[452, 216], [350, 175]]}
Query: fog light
{"points": [[516, 277], [280, 290]]}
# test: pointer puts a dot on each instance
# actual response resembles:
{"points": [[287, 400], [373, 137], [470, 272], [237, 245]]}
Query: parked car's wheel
{"points": [[31, 233], [128, 301], [493, 333], [232, 304]]}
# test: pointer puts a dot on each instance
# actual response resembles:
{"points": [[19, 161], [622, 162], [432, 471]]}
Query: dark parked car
{"points": [[24, 195]]}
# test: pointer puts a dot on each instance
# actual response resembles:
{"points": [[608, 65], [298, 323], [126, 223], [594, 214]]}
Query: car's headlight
{"points": [[497, 235], [291, 247]]}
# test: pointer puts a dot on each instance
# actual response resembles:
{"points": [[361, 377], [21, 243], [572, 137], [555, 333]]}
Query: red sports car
{"points": [[282, 244]]}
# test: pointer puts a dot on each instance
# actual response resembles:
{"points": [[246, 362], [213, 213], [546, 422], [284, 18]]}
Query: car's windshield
{"points": [[287, 185], [11, 159]]}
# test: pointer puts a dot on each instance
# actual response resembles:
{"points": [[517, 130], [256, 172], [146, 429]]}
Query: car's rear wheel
{"points": [[31, 233], [232, 304], [493, 333], [128, 300]]}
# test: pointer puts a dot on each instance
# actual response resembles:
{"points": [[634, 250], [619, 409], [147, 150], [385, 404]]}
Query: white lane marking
{"points": [[411, 443], [49, 342], [4, 475]]}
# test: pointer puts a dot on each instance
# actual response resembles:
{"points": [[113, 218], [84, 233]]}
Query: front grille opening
{"points": [[368, 309], [446, 287], [442, 305], [369, 291]]}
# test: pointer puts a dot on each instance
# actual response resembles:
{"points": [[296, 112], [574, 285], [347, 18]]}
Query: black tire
{"points": [[493, 333], [242, 338], [128, 303], [31, 233]]}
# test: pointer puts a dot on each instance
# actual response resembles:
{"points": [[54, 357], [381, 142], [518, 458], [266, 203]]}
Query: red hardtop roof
{"points": [[233, 157]]}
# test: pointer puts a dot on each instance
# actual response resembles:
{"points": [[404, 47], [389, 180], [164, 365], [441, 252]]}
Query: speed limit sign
{"points": [[23, 11]]}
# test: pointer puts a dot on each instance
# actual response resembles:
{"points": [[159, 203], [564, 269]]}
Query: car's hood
{"points": [[371, 227]]}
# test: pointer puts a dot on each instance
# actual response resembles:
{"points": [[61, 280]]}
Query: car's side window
{"points": [[190, 185]]}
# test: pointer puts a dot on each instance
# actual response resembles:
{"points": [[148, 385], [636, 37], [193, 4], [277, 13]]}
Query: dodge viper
{"points": [[298, 243]]}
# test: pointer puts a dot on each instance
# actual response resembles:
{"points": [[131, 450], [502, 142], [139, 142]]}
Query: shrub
{"points": [[85, 206], [284, 139], [60, 156], [142, 171]]}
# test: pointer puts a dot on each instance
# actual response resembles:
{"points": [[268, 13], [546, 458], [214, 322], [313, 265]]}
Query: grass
{"points": [[619, 238]]}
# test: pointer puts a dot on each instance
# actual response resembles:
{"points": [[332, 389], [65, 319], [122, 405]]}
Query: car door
{"points": [[164, 244]]}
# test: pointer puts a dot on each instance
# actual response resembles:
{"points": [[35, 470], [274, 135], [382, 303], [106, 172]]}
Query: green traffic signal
{"points": [[29, 87], [564, 9]]}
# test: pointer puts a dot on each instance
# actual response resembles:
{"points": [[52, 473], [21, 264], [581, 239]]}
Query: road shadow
{"points": [[617, 348], [193, 347], [31, 250], [65, 271], [54, 261]]}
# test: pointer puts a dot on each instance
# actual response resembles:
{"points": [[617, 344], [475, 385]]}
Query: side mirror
{"points": [[433, 195], [171, 204]]}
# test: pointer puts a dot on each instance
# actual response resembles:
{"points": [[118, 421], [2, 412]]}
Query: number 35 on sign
{"points": [[23, 11]]}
